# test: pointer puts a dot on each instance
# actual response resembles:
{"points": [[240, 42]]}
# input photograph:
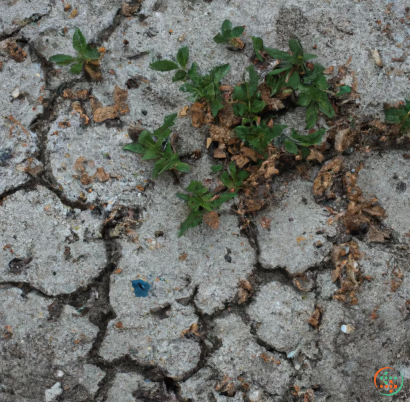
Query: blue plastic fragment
{"points": [[141, 288]]}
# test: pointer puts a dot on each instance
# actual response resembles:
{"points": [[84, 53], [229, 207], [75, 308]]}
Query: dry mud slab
{"points": [[248, 312]]}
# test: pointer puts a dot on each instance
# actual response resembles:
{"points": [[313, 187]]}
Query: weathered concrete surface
{"points": [[21, 88], [37, 352], [387, 177], [296, 239], [48, 245], [188, 340]]}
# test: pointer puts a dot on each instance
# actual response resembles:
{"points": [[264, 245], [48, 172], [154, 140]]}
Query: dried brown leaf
{"points": [[211, 218]]}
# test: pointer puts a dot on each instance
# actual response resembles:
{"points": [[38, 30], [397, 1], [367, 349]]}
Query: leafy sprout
{"points": [[200, 200], [168, 65], [234, 179], [399, 115], [249, 102], [85, 53], [157, 146], [228, 34], [206, 86]]}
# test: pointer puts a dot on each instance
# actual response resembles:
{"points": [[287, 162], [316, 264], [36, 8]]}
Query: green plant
{"points": [[229, 34], [168, 65], [160, 148], [206, 86], [234, 179], [201, 200], [399, 115], [297, 142], [249, 102], [259, 136], [85, 52]]}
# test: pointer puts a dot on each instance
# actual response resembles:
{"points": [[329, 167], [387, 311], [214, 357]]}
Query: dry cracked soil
{"points": [[303, 300]]}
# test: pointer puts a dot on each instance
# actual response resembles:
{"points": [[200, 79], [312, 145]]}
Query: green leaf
{"points": [[79, 42], [226, 27], [196, 187], [240, 92], [179, 75], [62, 59], [240, 109], [163, 65], [150, 154], [76, 68], [237, 32], [280, 70], [216, 106], [345, 89], [226, 180], [219, 72], [291, 147], [216, 168], [310, 139], [308, 56], [183, 56], [277, 54], [295, 47], [184, 197], [253, 80], [182, 167], [257, 46], [162, 132], [311, 115], [305, 152], [134, 147], [145, 138], [304, 100], [193, 74], [193, 219], [258, 106], [224, 197], [219, 38], [91, 53]]}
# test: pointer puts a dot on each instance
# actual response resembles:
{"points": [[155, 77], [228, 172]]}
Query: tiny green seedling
{"points": [[230, 35], [168, 65], [259, 136], [206, 86], [158, 148], [297, 142], [234, 179], [86, 53], [399, 115], [201, 200], [249, 102]]}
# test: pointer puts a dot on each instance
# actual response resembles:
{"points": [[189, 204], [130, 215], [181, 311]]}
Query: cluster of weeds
{"points": [[156, 146]]}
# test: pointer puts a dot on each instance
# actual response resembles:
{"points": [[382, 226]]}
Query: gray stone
{"points": [[281, 314], [57, 252], [35, 350], [291, 240], [21, 88], [387, 177]]}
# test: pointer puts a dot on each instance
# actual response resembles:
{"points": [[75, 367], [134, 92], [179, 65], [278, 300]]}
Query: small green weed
{"points": [[230, 35], [160, 148], [200, 200], [85, 52], [399, 115], [168, 65], [234, 179]]}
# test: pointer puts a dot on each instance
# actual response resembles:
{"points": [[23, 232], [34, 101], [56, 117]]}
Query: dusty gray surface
{"points": [[80, 218]]}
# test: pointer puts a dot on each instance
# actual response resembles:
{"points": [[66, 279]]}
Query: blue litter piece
{"points": [[141, 288]]}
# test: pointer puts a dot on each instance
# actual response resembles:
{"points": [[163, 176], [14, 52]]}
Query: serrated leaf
{"points": [[76, 68], [179, 75], [291, 147], [62, 59], [216, 168], [79, 42], [193, 219], [163, 65], [134, 147], [151, 153], [183, 56], [162, 132]]}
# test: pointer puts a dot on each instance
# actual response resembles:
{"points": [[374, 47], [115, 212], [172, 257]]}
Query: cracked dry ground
{"points": [[249, 312]]}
